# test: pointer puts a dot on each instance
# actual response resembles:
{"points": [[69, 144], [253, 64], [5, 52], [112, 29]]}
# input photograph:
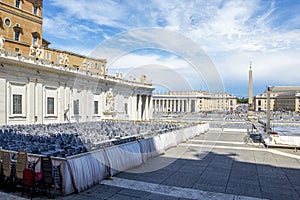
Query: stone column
{"points": [[102, 103], [39, 102], [161, 105], [31, 101], [61, 102], [129, 106], [3, 104], [180, 105], [146, 108], [139, 111], [150, 107], [68, 104], [90, 105], [168, 105]]}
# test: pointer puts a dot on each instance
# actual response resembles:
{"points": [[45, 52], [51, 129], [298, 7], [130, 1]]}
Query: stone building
{"points": [[39, 84], [192, 101], [287, 102], [21, 27], [279, 102], [260, 101]]}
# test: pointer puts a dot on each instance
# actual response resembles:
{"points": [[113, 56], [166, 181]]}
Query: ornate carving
{"points": [[38, 51], [32, 51], [109, 106]]}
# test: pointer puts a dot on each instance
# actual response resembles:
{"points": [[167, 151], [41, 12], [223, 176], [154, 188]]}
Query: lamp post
{"points": [[268, 108]]}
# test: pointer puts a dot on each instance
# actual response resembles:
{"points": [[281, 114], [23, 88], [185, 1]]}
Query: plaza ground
{"points": [[215, 165]]}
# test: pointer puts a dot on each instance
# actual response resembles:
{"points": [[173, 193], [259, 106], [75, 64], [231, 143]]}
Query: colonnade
{"points": [[172, 105], [144, 107]]}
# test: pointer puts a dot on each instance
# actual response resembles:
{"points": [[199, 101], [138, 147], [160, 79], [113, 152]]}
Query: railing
{"points": [[69, 68]]}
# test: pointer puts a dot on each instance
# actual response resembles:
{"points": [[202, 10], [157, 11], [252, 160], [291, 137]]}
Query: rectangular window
{"points": [[35, 10], [96, 66], [48, 56], [18, 3], [95, 107], [35, 41], [126, 108], [17, 36], [59, 58], [50, 105], [76, 107], [259, 102], [17, 50], [17, 104]]}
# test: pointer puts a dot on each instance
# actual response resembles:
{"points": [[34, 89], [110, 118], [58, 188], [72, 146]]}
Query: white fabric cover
{"points": [[146, 149], [88, 169], [180, 136], [67, 186], [169, 140], [124, 157], [157, 147], [186, 133], [82, 171]]}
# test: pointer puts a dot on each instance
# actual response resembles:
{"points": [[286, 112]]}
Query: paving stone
{"points": [[214, 182], [133, 193], [182, 182], [209, 187], [277, 195], [122, 197], [160, 197], [241, 181], [251, 191]]}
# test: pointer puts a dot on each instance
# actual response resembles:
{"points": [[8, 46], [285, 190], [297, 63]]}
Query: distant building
{"points": [[192, 101], [41, 85], [260, 102], [279, 102], [287, 102]]}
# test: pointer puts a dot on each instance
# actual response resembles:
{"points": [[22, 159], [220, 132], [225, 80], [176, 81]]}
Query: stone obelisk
{"points": [[250, 91]]}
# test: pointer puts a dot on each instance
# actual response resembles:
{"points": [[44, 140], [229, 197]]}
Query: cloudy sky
{"points": [[230, 32]]}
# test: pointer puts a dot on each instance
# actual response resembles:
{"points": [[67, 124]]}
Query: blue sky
{"points": [[231, 33]]}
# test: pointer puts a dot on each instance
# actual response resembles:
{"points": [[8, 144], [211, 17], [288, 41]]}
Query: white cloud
{"points": [[232, 32]]}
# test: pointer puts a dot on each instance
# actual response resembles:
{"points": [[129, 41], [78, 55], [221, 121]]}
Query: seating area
{"points": [[63, 140], [122, 145]]}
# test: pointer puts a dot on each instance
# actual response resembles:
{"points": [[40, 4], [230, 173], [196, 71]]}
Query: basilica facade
{"points": [[39, 84]]}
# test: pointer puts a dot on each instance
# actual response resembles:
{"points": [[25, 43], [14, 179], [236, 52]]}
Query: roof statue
{"points": [[109, 106], [2, 41], [38, 51]]}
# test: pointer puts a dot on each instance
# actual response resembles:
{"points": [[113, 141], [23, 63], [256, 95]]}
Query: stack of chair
{"points": [[6, 167], [30, 181], [47, 176], [21, 164]]}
